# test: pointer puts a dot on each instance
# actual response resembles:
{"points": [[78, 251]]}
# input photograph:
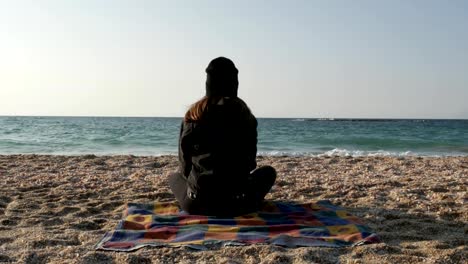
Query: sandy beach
{"points": [[54, 209]]}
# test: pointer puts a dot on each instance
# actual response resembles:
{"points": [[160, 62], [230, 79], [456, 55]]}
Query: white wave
{"points": [[298, 119], [344, 153], [284, 153], [360, 153]]}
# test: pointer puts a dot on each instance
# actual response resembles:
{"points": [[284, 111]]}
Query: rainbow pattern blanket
{"points": [[278, 223]]}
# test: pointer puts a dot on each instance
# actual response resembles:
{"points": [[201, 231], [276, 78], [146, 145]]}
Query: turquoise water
{"points": [[157, 136]]}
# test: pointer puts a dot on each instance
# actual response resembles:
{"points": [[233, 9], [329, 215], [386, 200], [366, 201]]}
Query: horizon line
{"points": [[258, 117]]}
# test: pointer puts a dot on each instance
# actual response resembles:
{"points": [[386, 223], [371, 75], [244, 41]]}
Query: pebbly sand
{"points": [[54, 209]]}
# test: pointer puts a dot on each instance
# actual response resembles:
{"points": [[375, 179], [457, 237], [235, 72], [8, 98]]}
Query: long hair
{"points": [[197, 110]]}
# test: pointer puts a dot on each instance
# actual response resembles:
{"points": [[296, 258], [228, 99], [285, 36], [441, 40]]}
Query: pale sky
{"points": [[363, 59]]}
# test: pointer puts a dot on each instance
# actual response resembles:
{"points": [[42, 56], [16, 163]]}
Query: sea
{"points": [[276, 136]]}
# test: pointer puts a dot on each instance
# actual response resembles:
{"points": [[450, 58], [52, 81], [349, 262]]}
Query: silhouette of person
{"points": [[217, 151]]}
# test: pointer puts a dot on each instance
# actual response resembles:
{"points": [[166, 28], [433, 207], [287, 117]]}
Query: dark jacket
{"points": [[217, 154]]}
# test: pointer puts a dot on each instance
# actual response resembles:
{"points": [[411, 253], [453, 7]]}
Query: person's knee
{"points": [[174, 179], [272, 171], [173, 175], [269, 172]]}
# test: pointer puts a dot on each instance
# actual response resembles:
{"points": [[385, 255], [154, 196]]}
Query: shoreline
{"points": [[54, 208], [336, 153]]}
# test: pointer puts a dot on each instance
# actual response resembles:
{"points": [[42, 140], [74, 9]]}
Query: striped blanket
{"points": [[278, 223]]}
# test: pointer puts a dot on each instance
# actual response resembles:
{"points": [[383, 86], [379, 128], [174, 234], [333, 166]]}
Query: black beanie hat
{"points": [[221, 78]]}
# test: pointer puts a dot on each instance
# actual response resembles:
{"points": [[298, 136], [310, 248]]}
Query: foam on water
{"points": [[360, 153], [349, 153]]}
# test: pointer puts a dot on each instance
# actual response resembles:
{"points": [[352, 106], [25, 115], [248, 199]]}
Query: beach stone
{"points": [[86, 225], [5, 258], [277, 258], [4, 200], [89, 156], [318, 255], [9, 222], [54, 243], [132, 259], [95, 258], [155, 165], [34, 258], [5, 240]]}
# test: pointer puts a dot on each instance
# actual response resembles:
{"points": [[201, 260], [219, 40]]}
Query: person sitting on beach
{"points": [[217, 151]]}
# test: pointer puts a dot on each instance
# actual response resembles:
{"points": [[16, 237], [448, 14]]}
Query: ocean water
{"points": [[159, 136]]}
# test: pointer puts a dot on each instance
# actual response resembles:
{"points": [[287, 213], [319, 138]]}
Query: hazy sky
{"points": [[378, 59]]}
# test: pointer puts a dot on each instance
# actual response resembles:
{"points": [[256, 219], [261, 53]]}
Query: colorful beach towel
{"points": [[278, 223]]}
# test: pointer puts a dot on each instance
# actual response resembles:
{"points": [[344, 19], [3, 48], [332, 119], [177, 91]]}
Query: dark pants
{"points": [[249, 199]]}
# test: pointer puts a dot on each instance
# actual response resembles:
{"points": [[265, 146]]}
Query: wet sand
{"points": [[54, 209]]}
